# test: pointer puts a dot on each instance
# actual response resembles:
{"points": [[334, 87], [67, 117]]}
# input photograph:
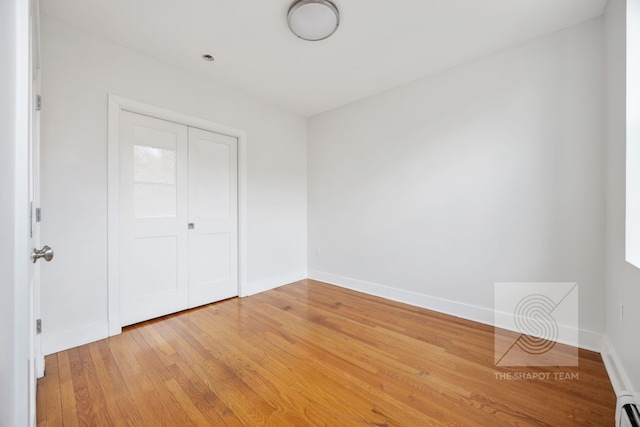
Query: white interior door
{"points": [[153, 217], [36, 358], [213, 213], [35, 218]]}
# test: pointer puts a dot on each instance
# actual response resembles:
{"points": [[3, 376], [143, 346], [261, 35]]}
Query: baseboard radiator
{"points": [[627, 413]]}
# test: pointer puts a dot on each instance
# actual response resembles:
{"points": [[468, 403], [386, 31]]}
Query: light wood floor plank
{"points": [[137, 381], [311, 354], [67, 392]]}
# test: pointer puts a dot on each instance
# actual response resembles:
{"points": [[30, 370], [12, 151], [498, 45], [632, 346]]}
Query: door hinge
{"points": [[38, 215], [38, 102], [39, 326]]}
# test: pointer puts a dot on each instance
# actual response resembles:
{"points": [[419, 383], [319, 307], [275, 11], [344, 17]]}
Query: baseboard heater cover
{"points": [[627, 413]]}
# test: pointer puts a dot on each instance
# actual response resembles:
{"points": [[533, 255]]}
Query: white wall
{"points": [[79, 70], [623, 279], [491, 171]]}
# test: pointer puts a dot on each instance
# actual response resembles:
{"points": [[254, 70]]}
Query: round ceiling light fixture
{"points": [[313, 20]]}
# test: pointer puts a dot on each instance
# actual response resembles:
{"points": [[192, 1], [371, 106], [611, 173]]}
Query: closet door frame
{"points": [[116, 104]]}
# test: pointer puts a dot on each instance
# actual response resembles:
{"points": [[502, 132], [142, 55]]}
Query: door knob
{"points": [[46, 252]]}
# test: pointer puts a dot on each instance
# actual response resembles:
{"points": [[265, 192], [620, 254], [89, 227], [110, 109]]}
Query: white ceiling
{"points": [[379, 45]]}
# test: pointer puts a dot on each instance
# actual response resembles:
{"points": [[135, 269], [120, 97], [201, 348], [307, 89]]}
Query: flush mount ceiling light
{"points": [[313, 20]]}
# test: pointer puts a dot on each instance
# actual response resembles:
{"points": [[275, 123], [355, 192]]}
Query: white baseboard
{"points": [[54, 342], [273, 282], [617, 374], [586, 339], [466, 311]]}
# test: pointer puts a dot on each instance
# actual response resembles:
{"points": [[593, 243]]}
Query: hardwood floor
{"points": [[313, 354]]}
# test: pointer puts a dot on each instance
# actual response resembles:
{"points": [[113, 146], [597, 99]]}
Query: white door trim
{"points": [[116, 105]]}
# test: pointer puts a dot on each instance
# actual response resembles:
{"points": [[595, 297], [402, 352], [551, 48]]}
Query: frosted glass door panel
{"points": [[154, 173], [154, 165], [154, 201]]}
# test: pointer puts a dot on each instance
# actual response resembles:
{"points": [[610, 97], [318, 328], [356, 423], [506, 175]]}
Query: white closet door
{"points": [[153, 174], [213, 213]]}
